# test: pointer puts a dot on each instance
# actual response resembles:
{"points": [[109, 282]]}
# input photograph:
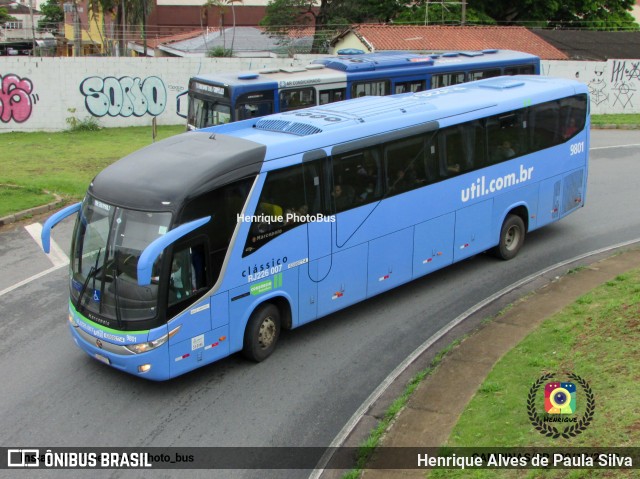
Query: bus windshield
{"points": [[107, 244], [204, 113]]}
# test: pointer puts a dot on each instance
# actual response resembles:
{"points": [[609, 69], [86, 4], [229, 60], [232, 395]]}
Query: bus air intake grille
{"points": [[299, 129]]}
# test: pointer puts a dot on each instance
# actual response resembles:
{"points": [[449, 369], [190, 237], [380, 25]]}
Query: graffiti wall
{"points": [[124, 96], [613, 84], [41, 93], [16, 99]]}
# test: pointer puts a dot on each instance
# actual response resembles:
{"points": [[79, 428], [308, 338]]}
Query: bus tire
{"points": [[512, 236], [262, 332]]}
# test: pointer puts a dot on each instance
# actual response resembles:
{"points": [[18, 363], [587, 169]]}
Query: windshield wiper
{"points": [[92, 273], [115, 289]]}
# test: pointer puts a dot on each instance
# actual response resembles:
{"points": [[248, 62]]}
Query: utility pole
{"points": [[33, 29], [463, 20], [77, 35]]}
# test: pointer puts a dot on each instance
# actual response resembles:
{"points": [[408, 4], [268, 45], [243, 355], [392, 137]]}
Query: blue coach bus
{"points": [[210, 242], [227, 97]]}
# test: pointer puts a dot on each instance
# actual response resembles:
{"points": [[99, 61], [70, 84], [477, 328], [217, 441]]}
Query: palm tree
{"points": [[139, 10], [233, 13], [103, 7]]}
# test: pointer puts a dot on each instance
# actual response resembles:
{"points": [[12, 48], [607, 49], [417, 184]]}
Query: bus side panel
{"points": [[198, 351], [526, 196], [433, 244], [308, 293], [346, 282], [572, 191], [389, 261], [473, 230], [549, 201], [196, 320], [245, 299]]}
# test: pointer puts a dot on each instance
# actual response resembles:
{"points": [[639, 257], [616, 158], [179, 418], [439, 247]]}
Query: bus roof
{"points": [[344, 121], [333, 68], [162, 176]]}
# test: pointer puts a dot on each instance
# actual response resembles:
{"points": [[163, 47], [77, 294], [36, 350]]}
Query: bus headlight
{"points": [[148, 346], [72, 320]]}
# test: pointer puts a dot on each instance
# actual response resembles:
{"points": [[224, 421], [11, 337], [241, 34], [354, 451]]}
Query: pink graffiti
{"points": [[15, 102]]}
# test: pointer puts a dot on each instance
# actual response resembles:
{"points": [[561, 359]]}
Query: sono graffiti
{"points": [[124, 96], [15, 99]]}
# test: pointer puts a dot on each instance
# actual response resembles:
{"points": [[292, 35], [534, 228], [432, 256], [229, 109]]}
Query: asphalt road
{"points": [[54, 395]]}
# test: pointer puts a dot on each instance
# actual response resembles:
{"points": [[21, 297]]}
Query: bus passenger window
{"points": [[410, 86], [545, 125], [330, 96], [519, 70], [447, 79], [573, 113], [506, 136], [404, 163], [480, 74], [356, 179], [296, 99], [286, 201], [370, 88], [453, 151]]}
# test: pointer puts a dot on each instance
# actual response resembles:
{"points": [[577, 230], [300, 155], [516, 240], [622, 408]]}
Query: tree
{"points": [[5, 17], [139, 11], [327, 17], [53, 15], [591, 14], [448, 12]]}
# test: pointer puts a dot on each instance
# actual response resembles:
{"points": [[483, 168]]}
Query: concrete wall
{"points": [[41, 93], [38, 93], [614, 85]]}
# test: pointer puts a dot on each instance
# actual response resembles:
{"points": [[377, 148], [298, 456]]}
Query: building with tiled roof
{"points": [[593, 45], [372, 38], [247, 42]]}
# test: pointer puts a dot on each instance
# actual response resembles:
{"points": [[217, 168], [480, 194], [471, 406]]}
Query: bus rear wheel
{"points": [[262, 333], [512, 236]]}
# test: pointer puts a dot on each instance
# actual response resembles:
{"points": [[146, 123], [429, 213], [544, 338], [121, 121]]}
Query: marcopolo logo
{"points": [[561, 406]]}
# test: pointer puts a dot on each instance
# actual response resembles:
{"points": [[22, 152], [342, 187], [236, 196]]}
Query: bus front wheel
{"points": [[261, 335], [512, 236]]}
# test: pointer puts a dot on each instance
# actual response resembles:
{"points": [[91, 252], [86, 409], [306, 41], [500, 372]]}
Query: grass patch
{"points": [[597, 338], [14, 199], [620, 119], [66, 162]]}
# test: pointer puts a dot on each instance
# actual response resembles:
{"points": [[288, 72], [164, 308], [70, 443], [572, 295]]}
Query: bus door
{"points": [[342, 274], [318, 236]]}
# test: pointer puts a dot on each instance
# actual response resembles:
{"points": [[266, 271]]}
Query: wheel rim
{"points": [[267, 332], [512, 238]]}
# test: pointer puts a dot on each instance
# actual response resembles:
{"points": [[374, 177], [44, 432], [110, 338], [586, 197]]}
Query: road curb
{"points": [[36, 210]]}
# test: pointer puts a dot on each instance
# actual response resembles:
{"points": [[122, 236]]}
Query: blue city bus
{"points": [[226, 97], [209, 242]]}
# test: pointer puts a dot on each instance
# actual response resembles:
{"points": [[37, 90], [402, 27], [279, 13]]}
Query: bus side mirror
{"points": [[151, 252], [178, 104], [45, 236]]}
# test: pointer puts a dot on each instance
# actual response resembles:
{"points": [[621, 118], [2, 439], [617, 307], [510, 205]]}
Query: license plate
{"points": [[102, 358]]}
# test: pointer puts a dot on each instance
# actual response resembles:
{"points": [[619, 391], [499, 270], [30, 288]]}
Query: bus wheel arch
{"points": [[263, 328], [512, 233]]}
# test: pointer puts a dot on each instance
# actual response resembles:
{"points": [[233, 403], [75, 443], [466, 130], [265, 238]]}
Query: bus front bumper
{"points": [[151, 365]]}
